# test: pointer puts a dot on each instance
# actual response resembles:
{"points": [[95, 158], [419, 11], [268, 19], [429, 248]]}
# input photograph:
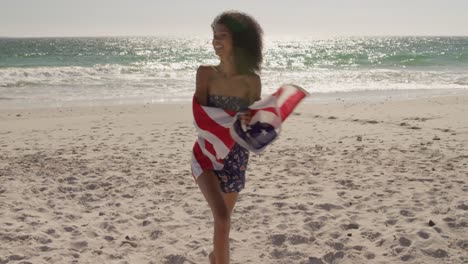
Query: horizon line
{"points": [[198, 36]]}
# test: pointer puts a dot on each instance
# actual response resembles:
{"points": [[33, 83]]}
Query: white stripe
{"points": [[214, 162], [270, 101], [219, 116], [196, 168], [220, 148], [288, 91]]}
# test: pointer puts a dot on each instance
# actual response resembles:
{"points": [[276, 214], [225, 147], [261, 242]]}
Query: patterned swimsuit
{"points": [[232, 176]]}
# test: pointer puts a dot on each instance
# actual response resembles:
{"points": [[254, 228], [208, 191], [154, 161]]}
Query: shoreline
{"points": [[369, 96]]}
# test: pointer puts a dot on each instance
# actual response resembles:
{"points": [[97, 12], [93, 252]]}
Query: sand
{"points": [[374, 182]]}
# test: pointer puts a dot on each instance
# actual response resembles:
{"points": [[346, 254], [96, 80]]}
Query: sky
{"points": [[311, 18]]}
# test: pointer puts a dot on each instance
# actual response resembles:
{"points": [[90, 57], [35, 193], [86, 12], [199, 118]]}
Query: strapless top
{"points": [[228, 102]]}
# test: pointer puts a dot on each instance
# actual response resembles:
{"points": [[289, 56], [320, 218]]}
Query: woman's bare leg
{"points": [[209, 186], [230, 199]]}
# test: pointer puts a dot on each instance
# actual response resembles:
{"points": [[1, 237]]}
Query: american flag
{"points": [[218, 129]]}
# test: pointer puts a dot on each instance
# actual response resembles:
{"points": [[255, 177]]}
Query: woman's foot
{"points": [[212, 258]]}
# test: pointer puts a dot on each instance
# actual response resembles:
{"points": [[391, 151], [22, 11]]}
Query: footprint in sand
{"points": [[108, 227], [336, 245], [51, 232], [329, 207], [463, 244], [298, 239], [406, 213], [313, 260], [176, 259], [407, 258], [350, 226], [45, 248], [370, 235], [155, 234], [369, 255], [333, 257], [109, 238], [13, 258], [284, 253], [43, 240], [80, 245], [438, 253], [313, 225], [404, 242], [278, 239], [423, 234], [68, 229], [372, 122]]}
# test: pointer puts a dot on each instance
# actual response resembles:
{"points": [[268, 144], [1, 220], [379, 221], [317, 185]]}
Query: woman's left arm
{"points": [[255, 84]]}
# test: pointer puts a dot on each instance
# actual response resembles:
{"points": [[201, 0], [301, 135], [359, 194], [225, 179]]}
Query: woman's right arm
{"points": [[202, 80]]}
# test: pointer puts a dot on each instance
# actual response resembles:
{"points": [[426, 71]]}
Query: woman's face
{"points": [[222, 41]]}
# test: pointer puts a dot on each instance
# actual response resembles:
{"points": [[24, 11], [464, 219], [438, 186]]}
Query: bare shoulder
{"points": [[205, 71], [204, 74], [254, 80], [255, 84]]}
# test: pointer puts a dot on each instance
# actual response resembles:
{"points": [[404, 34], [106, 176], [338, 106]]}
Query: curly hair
{"points": [[246, 40]]}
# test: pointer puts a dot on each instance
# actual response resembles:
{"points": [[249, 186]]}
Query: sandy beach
{"points": [[374, 182]]}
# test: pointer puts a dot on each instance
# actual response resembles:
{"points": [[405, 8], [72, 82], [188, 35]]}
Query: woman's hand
{"points": [[245, 118]]}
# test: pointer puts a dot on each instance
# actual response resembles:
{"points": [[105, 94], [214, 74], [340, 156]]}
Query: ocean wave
{"points": [[153, 74], [98, 74], [164, 68], [116, 82], [326, 80]]}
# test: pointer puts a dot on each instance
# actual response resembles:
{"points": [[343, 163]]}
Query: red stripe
{"points": [[210, 148], [204, 161], [231, 113], [288, 106], [205, 122], [279, 92]]}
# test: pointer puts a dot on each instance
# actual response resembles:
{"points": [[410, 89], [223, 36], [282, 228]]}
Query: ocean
{"points": [[74, 71]]}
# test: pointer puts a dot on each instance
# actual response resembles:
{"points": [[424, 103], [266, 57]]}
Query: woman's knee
{"points": [[209, 186], [222, 218]]}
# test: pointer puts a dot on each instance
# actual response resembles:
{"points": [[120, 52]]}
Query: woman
{"points": [[234, 84]]}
